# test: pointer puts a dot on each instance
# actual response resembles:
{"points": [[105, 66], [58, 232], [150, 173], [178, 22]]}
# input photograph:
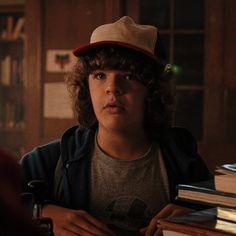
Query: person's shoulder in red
{"points": [[14, 219]]}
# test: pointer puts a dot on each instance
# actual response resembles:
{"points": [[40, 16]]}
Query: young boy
{"points": [[117, 170]]}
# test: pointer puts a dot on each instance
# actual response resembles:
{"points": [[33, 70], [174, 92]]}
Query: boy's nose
{"points": [[113, 90], [114, 87]]}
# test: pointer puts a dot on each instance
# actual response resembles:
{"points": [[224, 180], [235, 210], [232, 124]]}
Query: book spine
{"points": [[11, 27]]}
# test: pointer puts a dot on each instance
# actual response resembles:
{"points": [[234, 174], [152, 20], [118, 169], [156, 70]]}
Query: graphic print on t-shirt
{"points": [[127, 212]]}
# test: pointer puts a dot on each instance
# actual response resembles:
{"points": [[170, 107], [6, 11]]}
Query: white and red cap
{"points": [[126, 33]]}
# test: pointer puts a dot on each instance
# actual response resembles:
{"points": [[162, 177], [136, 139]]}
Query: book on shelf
{"points": [[16, 71], [204, 193], [19, 28], [225, 178], [11, 71], [11, 115], [6, 70], [215, 221], [11, 27]]}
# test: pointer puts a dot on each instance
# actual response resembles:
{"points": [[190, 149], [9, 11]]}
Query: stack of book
{"points": [[215, 221], [220, 191], [218, 199]]}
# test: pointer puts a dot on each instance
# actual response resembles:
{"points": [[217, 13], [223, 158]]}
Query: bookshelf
{"points": [[12, 82]]}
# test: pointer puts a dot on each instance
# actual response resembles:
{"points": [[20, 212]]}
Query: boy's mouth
{"points": [[114, 107]]}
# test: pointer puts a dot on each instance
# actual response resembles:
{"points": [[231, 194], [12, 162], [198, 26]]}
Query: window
{"points": [[181, 24]]}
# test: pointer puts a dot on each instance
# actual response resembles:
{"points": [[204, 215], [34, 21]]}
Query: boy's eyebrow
{"points": [[120, 71], [95, 71], [98, 69]]}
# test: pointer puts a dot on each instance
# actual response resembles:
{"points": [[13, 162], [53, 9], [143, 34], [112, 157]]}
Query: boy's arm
{"points": [[74, 222], [40, 164], [167, 211]]}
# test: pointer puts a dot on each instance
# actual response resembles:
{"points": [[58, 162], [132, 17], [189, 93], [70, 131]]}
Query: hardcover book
{"points": [[225, 178], [204, 193], [216, 221], [227, 168]]}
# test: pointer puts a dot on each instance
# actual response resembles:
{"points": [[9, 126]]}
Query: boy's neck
{"points": [[123, 145]]}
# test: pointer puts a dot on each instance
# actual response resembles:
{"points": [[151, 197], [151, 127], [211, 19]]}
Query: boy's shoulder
{"points": [[177, 132], [179, 137]]}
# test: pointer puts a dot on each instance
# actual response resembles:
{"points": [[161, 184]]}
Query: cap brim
{"points": [[84, 49]]}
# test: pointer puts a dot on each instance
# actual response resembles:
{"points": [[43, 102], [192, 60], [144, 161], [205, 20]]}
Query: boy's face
{"points": [[118, 100]]}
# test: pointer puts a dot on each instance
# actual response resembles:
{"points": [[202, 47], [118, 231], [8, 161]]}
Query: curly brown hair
{"points": [[161, 93]]}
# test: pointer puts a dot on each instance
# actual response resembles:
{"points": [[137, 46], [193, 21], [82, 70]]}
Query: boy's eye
{"points": [[99, 75]]}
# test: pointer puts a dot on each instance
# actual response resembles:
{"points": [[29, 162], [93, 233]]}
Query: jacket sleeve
{"points": [[40, 164], [183, 162], [193, 168]]}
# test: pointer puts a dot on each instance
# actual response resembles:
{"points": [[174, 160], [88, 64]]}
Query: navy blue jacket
{"points": [[64, 164]]}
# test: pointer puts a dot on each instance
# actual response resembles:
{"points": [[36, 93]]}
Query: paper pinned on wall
{"points": [[57, 103], [60, 60]]}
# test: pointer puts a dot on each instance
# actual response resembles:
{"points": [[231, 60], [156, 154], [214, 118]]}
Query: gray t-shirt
{"points": [[127, 194]]}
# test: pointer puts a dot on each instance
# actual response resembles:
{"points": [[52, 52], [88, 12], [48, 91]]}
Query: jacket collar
{"points": [[75, 143]]}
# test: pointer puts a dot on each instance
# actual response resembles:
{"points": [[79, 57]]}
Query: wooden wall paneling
{"points": [[219, 74], [214, 71], [230, 75], [113, 10], [33, 84], [132, 9], [212, 145], [229, 33]]}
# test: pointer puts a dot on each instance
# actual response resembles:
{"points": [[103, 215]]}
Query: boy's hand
{"points": [[67, 222], [167, 211]]}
